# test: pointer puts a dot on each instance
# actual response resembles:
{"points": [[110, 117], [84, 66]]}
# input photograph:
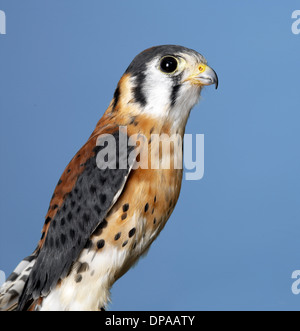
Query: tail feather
{"points": [[12, 289]]}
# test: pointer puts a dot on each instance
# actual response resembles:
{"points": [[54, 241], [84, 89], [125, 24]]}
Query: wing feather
{"points": [[79, 205]]}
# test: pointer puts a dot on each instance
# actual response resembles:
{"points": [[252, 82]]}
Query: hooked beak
{"points": [[204, 75]]}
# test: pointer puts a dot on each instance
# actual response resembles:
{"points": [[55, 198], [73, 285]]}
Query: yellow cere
{"points": [[202, 68]]}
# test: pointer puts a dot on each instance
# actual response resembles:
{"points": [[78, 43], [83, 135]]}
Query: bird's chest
{"points": [[142, 210], [127, 232], [152, 195], [140, 213]]}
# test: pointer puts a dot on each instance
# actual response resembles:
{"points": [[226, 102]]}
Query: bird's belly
{"points": [[86, 288], [88, 284], [125, 235]]}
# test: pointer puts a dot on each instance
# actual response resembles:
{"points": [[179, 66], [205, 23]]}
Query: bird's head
{"points": [[165, 82]]}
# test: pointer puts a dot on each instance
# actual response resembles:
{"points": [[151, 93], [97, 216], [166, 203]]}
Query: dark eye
{"points": [[168, 64]]}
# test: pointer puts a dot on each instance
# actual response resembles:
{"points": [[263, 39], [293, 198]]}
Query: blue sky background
{"points": [[233, 241]]}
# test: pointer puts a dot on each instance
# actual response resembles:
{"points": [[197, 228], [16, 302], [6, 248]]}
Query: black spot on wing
{"points": [[83, 211]]}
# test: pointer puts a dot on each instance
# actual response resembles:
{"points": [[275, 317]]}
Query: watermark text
{"points": [[2, 22], [2, 277], [296, 283], [157, 151], [296, 24]]}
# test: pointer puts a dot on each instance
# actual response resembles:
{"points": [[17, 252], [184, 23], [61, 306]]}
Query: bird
{"points": [[106, 211]]}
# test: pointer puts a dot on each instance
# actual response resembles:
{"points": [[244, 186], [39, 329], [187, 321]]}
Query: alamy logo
{"points": [[2, 22], [296, 24], [159, 151], [2, 278], [296, 284]]}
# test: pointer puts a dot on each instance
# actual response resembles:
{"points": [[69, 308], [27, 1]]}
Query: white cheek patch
{"points": [[157, 89], [188, 96], [162, 101]]}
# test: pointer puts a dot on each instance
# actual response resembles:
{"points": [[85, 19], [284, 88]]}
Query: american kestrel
{"points": [[101, 219]]}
